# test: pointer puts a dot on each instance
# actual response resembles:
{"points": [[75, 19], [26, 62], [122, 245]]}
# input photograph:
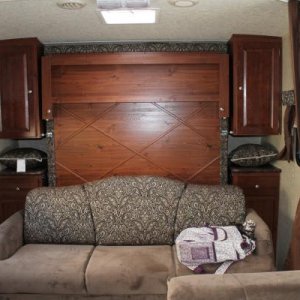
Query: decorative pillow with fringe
{"points": [[34, 158], [253, 155]]}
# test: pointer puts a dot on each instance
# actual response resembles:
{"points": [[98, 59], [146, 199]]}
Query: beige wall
{"points": [[290, 176]]}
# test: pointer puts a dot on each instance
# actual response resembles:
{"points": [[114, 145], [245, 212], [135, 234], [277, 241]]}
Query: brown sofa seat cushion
{"points": [[45, 269], [210, 204], [137, 210], [129, 270], [254, 286], [59, 215]]}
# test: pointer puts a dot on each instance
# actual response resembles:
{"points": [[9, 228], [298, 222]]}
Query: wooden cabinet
{"points": [[14, 188], [256, 85], [261, 189], [20, 111]]}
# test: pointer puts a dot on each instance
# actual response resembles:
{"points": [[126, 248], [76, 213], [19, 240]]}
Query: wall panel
{"points": [[136, 114], [179, 140]]}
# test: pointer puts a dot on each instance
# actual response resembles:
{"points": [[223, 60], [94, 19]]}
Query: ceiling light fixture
{"points": [[183, 3], [133, 16], [127, 11], [71, 4], [117, 4]]}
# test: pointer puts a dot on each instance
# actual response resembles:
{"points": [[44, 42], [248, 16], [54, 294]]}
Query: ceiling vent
{"points": [[119, 4], [71, 4], [183, 3]]}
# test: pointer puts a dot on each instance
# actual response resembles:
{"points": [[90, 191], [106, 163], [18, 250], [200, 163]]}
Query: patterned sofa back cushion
{"points": [[134, 210], [210, 204], [58, 215]]}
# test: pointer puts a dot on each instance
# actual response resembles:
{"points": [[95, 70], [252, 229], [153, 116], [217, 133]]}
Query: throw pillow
{"points": [[253, 155], [34, 158], [58, 215], [134, 210], [218, 205]]}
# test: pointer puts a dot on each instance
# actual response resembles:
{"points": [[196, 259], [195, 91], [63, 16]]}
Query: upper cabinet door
{"points": [[19, 94], [256, 86]]}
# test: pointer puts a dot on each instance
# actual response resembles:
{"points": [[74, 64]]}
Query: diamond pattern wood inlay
{"points": [[175, 139]]}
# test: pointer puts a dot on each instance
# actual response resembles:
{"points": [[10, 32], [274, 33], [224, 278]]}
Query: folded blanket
{"points": [[212, 244]]}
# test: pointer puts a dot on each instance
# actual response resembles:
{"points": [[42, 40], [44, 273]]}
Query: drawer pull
{"points": [[17, 188], [257, 186]]}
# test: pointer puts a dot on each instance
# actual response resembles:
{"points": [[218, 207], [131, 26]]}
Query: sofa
{"points": [[114, 238]]}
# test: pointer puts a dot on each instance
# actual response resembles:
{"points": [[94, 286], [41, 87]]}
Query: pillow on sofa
{"points": [[252, 155], [137, 210], [59, 215], [34, 158], [218, 205]]}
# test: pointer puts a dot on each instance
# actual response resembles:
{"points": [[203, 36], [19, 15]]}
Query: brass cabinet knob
{"points": [[257, 186], [17, 188]]}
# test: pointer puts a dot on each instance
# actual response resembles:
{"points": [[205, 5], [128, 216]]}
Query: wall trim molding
{"points": [[107, 47]]}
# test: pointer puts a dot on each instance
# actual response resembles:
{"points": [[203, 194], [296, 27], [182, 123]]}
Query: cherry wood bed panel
{"points": [[136, 114], [135, 77], [175, 139]]}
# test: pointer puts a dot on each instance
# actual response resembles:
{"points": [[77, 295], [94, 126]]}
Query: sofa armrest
{"points": [[246, 286], [11, 235]]}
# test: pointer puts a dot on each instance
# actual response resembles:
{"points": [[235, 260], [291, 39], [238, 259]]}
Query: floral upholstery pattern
{"points": [[127, 210], [134, 210], [58, 215], [208, 204]]}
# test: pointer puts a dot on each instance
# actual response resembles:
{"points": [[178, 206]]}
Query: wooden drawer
{"points": [[261, 189], [19, 182], [11, 195], [265, 184], [10, 206], [14, 188]]}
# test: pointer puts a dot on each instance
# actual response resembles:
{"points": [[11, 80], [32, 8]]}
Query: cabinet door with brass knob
{"points": [[14, 188], [261, 189]]}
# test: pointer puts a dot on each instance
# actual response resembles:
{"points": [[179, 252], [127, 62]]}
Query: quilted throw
{"points": [[212, 244]]}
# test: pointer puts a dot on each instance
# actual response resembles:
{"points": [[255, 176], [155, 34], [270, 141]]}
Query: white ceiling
{"points": [[210, 20]]}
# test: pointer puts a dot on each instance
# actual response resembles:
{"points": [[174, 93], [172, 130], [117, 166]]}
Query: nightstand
{"points": [[14, 188], [261, 189]]}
